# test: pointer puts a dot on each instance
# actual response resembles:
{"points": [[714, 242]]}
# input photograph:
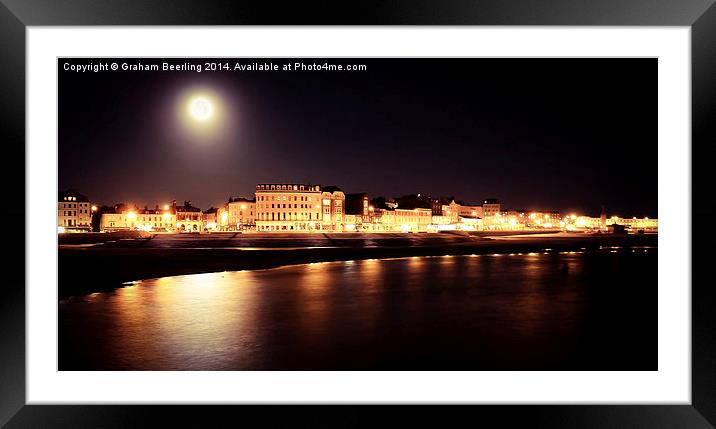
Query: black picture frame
{"points": [[16, 15]]}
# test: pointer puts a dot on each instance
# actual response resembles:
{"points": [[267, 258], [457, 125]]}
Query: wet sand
{"points": [[106, 265]]}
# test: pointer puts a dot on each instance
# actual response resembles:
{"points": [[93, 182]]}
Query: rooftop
{"points": [[187, 207], [331, 189], [71, 195], [288, 187], [241, 200]]}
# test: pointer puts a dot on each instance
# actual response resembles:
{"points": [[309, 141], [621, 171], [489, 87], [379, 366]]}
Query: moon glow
{"points": [[200, 109]]}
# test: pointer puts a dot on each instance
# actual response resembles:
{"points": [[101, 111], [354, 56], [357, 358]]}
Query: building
{"points": [[437, 204], [490, 207], [110, 222], [241, 214], [333, 202], [188, 217], [209, 219], [126, 218], [634, 224], [74, 212], [406, 220], [359, 205], [288, 207], [384, 220], [444, 215], [155, 219], [543, 219], [604, 224], [452, 211], [222, 218], [603, 220], [579, 223], [360, 213], [352, 223], [469, 223], [471, 211]]}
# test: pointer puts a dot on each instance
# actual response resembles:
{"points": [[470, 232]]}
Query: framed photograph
{"points": [[414, 205]]}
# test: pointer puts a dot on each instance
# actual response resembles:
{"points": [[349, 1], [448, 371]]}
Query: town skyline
{"points": [[162, 202], [567, 135]]}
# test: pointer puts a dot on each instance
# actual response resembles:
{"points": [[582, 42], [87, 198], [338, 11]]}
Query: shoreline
{"points": [[87, 269]]}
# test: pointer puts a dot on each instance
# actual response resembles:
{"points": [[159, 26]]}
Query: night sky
{"points": [[563, 134]]}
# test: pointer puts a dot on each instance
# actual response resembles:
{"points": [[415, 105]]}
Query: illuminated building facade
{"points": [[359, 205], [437, 205], [307, 208], [74, 212], [469, 223], [154, 220], [288, 207], [209, 219], [473, 211], [405, 220], [125, 218], [490, 207], [359, 213], [353, 223], [602, 223], [635, 224], [241, 214], [333, 202], [222, 218], [189, 218], [110, 222], [504, 222], [542, 219]]}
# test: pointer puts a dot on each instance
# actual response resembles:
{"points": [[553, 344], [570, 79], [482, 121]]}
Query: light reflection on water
{"points": [[530, 311]]}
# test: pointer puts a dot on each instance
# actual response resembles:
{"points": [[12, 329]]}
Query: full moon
{"points": [[201, 109]]}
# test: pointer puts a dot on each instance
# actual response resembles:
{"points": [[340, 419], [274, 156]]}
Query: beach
{"points": [[108, 261]]}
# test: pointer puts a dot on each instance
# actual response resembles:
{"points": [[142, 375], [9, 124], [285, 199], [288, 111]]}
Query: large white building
{"points": [[74, 212], [289, 207]]}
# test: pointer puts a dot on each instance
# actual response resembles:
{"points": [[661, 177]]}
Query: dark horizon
{"points": [[538, 134]]}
